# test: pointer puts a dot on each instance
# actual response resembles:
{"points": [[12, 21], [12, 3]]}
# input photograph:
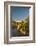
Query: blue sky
{"points": [[19, 13]]}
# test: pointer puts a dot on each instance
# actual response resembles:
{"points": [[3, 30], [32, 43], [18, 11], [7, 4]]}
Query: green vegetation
{"points": [[23, 25]]}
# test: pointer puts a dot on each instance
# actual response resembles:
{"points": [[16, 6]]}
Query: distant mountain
{"points": [[25, 19]]}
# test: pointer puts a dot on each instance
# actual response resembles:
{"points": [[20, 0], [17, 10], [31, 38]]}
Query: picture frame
{"points": [[30, 38]]}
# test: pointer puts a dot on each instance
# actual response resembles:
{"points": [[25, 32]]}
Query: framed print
{"points": [[19, 23]]}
